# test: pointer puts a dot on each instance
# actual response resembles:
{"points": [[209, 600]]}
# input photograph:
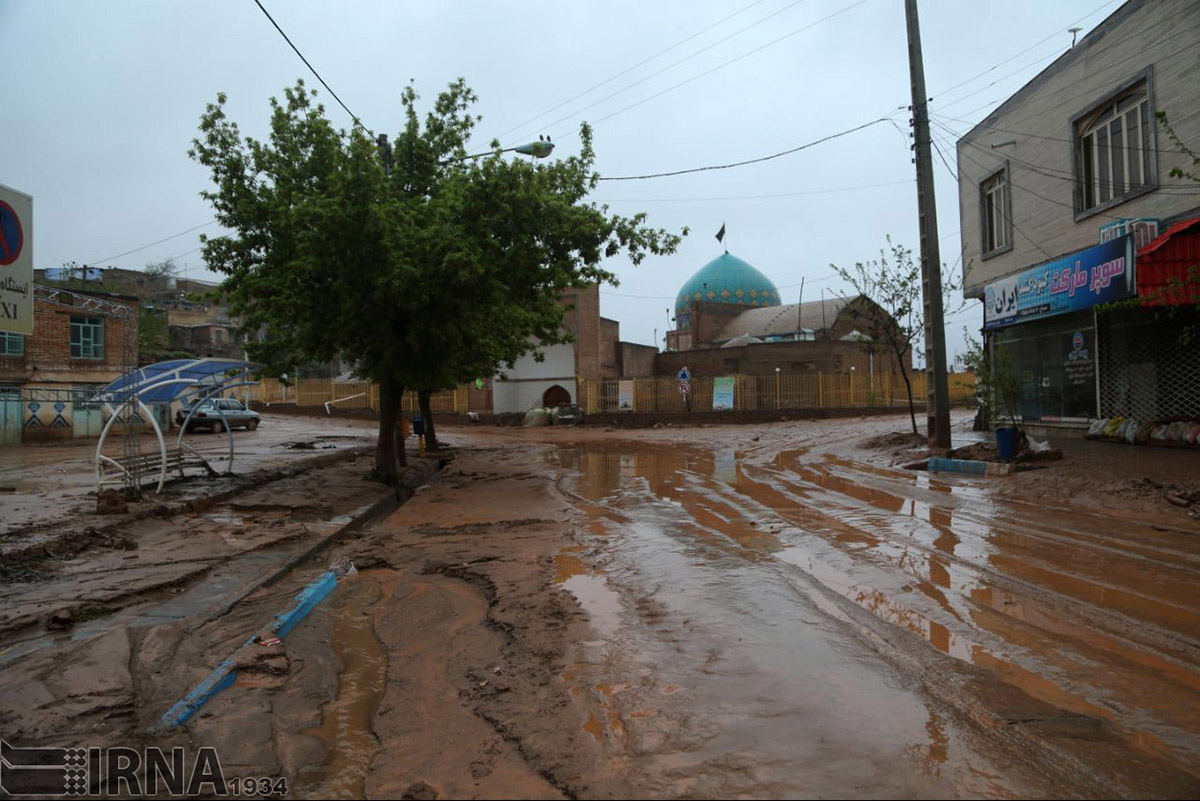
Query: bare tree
{"points": [[167, 268], [893, 319]]}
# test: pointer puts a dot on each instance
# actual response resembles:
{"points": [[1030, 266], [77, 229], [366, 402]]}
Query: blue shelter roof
{"points": [[163, 382]]}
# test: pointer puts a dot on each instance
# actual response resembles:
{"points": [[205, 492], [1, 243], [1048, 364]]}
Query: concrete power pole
{"points": [[937, 403]]}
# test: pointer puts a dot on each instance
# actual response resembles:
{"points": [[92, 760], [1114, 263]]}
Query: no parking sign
{"points": [[16, 261]]}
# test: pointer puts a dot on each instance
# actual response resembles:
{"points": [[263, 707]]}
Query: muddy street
{"points": [[772, 611]]}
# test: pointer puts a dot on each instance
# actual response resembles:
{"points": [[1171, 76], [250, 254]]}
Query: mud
{"points": [[715, 612]]}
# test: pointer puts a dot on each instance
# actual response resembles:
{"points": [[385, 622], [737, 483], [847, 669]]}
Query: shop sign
{"points": [[1100, 274]]}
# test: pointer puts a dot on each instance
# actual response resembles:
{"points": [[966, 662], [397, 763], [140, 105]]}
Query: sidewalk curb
{"points": [[942, 464]]}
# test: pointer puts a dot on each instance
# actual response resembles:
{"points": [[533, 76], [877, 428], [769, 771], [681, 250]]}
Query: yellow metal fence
{"points": [[821, 391]]}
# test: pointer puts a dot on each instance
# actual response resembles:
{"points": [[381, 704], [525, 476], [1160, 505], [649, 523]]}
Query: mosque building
{"points": [[730, 320]]}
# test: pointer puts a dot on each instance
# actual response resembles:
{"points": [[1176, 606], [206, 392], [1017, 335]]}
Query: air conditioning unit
{"points": [[1144, 231]]}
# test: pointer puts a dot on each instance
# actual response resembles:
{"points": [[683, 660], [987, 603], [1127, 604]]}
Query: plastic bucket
{"points": [[1006, 444]]}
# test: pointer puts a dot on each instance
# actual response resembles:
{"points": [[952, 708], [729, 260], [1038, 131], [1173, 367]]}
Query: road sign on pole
{"points": [[16, 261], [684, 375]]}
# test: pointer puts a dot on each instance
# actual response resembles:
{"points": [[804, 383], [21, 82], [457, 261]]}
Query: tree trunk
{"points": [[390, 392], [431, 443], [912, 412]]}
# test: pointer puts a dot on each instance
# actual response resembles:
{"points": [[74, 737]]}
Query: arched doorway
{"points": [[555, 396]]}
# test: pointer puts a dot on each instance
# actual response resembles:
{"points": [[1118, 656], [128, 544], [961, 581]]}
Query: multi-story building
{"points": [[81, 341], [1072, 223]]}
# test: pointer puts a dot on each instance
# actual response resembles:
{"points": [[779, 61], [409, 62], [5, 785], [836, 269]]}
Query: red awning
{"points": [[1168, 269]]}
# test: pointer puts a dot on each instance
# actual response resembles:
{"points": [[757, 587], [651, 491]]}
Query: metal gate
{"points": [[10, 416], [1150, 363]]}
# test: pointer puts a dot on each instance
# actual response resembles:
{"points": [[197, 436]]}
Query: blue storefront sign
{"points": [[1100, 274]]}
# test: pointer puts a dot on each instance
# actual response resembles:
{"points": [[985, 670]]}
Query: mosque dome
{"points": [[727, 279]]}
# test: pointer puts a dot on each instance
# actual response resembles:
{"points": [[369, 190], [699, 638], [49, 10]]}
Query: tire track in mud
{"points": [[1040, 652], [1019, 628]]}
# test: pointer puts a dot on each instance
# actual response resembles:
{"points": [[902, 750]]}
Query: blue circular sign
{"points": [[12, 237], [684, 375]]}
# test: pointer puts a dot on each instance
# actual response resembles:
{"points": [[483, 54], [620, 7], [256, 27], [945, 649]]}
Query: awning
{"points": [[1168, 269], [163, 382]]}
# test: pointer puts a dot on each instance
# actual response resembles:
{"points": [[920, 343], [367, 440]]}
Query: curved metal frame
{"points": [[162, 443], [200, 398], [204, 391]]}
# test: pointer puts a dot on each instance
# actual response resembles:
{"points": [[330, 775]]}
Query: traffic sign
{"points": [[684, 388], [16, 261], [12, 237], [684, 375]]}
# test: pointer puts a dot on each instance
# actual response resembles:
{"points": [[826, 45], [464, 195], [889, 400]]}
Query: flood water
{"points": [[771, 625]]}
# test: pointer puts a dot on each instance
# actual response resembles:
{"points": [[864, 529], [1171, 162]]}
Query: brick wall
{"points": [[48, 351]]}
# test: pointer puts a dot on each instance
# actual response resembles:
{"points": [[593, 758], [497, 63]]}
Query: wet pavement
{"points": [[763, 600]]}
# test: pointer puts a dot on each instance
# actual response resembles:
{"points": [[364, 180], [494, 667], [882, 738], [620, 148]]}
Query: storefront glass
{"points": [[1055, 365]]}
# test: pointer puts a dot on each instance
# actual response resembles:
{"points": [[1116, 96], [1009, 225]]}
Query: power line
{"points": [[748, 161], [751, 197], [958, 135], [311, 68], [1026, 50], [152, 244], [673, 64], [726, 64], [644, 61]]}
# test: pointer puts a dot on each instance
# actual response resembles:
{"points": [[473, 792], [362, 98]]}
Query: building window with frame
{"points": [[87, 337], [1114, 149], [12, 344], [995, 212]]}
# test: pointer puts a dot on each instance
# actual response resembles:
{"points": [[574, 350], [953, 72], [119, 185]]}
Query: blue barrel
{"points": [[418, 425], [1006, 444]]}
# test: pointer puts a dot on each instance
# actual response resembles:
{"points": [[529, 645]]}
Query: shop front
{"points": [[1045, 318]]}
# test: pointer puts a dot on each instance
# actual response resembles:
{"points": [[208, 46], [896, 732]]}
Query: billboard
{"points": [[1100, 274], [625, 396], [16, 261], [723, 392]]}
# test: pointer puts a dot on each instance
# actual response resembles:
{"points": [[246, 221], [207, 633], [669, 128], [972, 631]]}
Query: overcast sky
{"points": [[102, 99]]}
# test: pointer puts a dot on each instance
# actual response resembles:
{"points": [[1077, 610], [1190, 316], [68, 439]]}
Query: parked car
{"points": [[215, 413], [567, 414]]}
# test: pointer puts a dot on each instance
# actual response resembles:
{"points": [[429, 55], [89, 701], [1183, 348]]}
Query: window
{"points": [[87, 337], [12, 344], [1114, 149], [995, 213]]}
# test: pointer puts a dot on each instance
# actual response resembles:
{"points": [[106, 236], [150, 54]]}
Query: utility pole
{"points": [[937, 402]]}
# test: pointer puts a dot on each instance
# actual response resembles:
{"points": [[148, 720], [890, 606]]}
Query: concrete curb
{"points": [[941, 464]]}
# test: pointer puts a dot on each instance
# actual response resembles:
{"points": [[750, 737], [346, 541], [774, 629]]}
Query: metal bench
{"points": [[148, 467]]}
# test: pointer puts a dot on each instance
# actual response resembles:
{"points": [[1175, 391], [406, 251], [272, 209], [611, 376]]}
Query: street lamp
{"points": [[540, 149]]}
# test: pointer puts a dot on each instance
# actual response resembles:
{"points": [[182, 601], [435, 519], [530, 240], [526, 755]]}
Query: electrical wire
{"points": [[311, 68], [1015, 56], [643, 62], [748, 161], [152, 244], [723, 65], [751, 197]]}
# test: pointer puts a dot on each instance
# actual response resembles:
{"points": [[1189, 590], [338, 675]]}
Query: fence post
{"points": [[820, 390]]}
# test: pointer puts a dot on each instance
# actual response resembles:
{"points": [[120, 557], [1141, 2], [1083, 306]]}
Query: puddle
{"points": [[1040, 599], [346, 721]]}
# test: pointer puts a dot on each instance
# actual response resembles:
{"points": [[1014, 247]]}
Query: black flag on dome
{"points": [[721, 233]]}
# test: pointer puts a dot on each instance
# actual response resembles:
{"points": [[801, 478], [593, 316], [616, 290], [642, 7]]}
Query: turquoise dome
{"points": [[727, 279]]}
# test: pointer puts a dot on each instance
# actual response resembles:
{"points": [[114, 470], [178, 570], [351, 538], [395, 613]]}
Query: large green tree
{"points": [[417, 263]]}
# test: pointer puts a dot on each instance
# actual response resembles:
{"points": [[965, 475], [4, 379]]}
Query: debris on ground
{"points": [[111, 502], [897, 439]]}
